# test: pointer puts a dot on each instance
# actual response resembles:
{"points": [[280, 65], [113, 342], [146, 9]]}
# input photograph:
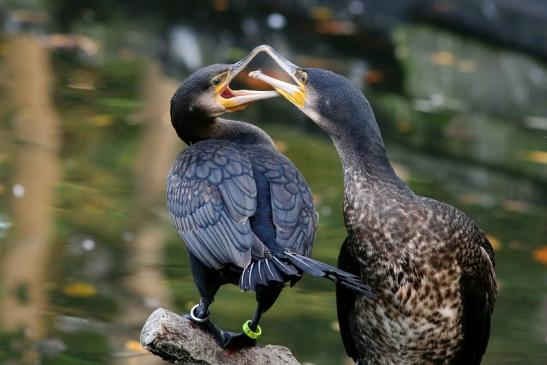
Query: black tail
{"points": [[317, 268], [268, 272], [289, 266]]}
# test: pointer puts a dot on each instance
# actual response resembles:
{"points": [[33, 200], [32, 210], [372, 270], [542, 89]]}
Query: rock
{"points": [[180, 341]]}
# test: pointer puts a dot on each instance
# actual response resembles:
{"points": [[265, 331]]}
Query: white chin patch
{"points": [[310, 110], [208, 102]]}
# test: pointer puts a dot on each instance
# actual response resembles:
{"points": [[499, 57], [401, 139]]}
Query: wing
{"points": [[210, 195], [478, 280], [293, 210], [479, 291], [345, 302]]}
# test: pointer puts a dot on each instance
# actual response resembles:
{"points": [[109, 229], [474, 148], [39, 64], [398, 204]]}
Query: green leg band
{"points": [[249, 332]]}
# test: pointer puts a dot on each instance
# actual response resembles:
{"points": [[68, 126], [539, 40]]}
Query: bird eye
{"points": [[217, 80], [302, 76]]}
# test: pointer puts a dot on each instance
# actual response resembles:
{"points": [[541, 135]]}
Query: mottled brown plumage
{"points": [[430, 266]]}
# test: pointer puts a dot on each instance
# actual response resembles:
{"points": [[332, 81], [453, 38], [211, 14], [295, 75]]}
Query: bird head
{"points": [[329, 99], [206, 94]]}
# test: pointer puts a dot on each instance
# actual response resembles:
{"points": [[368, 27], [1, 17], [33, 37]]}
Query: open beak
{"points": [[233, 100], [296, 94]]}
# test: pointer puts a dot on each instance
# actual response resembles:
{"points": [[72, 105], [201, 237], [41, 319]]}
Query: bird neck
{"points": [[240, 132], [361, 149], [370, 183], [199, 128], [367, 169]]}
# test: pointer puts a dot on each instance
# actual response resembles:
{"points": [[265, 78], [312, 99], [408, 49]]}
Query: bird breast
{"points": [[415, 315]]}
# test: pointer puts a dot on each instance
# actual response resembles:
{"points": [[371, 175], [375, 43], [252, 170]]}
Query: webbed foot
{"points": [[209, 327], [234, 340], [225, 339], [200, 316]]}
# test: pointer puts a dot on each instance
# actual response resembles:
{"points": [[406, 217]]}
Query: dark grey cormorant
{"points": [[430, 266], [243, 209]]}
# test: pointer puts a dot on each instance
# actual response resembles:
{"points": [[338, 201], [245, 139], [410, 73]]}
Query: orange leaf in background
{"points": [[467, 66], [470, 199], [220, 5], [540, 255], [135, 346], [404, 126], [80, 290], [494, 242], [321, 13], [516, 205], [536, 156], [281, 145], [374, 76], [101, 120], [316, 198], [443, 58], [334, 27]]}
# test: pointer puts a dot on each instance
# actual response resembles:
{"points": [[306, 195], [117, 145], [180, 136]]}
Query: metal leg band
{"points": [[196, 318]]}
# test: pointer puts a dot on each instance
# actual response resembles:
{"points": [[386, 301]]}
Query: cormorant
{"points": [[430, 266], [243, 209]]}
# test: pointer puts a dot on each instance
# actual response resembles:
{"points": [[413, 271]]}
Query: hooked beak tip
{"points": [[295, 94]]}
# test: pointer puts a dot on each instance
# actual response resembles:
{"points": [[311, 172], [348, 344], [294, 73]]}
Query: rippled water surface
{"points": [[87, 247]]}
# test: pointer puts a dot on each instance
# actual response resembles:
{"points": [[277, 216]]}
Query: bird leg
{"points": [[256, 317], [265, 298], [250, 333], [200, 312]]}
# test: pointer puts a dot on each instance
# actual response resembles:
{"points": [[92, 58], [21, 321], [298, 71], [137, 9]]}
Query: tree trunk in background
{"points": [[158, 147], [35, 150]]}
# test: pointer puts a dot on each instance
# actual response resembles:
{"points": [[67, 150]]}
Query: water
{"points": [[85, 143]]}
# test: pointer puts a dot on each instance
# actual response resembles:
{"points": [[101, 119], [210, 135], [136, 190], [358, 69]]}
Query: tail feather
{"points": [[288, 267], [317, 268], [267, 272]]}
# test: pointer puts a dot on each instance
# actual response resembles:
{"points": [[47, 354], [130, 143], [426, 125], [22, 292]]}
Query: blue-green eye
{"points": [[302, 76], [216, 81]]}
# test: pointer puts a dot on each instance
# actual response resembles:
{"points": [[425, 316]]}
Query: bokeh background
{"points": [[87, 250]]}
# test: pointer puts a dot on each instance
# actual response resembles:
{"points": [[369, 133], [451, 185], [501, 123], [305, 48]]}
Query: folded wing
{"points": [[210, 195]]}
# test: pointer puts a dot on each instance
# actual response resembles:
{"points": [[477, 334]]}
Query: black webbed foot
{"points": [[208, 327], [236, 340], [224, 339], [199, 314]]}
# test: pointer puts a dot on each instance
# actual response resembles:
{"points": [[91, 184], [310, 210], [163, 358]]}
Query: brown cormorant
{"points": [[243, 209], [431, 267]]}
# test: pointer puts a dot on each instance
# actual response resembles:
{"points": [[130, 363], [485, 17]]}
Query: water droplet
{"points": [[356, 7], [489, 9], [186, 47], [5, 225], [276, 21], [51, 347], [88, 244], [437, 100], [71, 324], [250, 26], [18, 190]]}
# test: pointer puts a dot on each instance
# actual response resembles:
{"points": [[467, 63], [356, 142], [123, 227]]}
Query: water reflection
{"points": [[145, 249], [28, 78], [85, 143]]}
